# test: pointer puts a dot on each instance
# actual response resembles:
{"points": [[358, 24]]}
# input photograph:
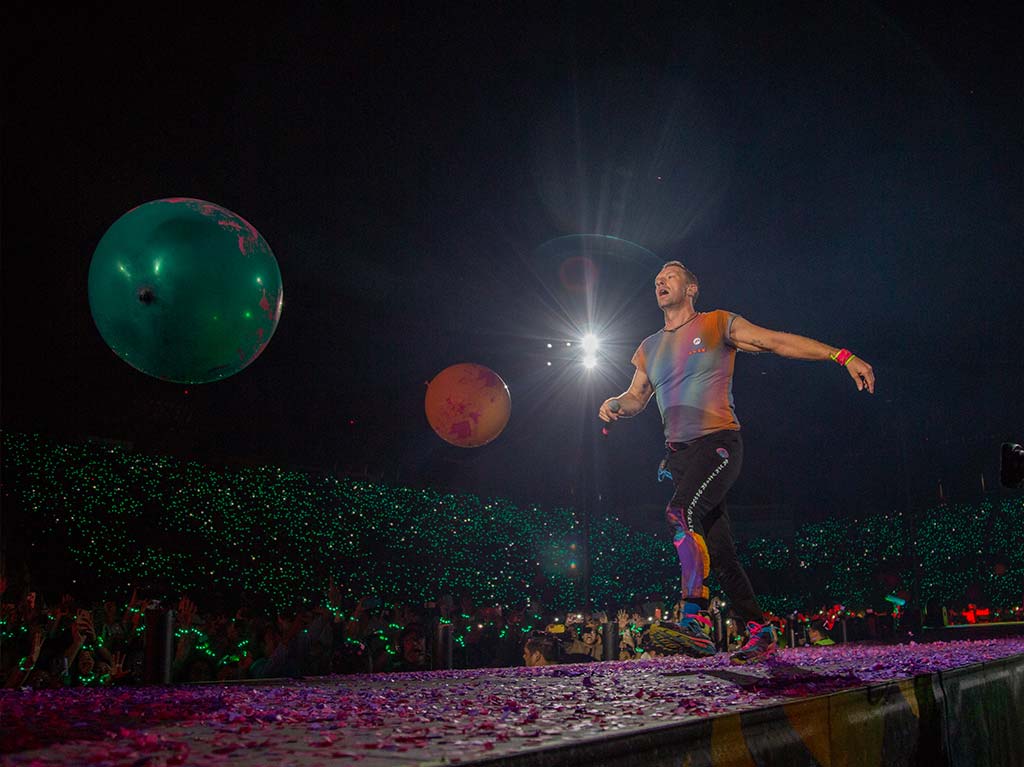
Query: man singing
{"points": [[688, 366]]}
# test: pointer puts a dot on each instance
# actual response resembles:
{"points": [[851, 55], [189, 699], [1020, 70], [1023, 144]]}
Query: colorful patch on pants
{"points": [[694, 563]]}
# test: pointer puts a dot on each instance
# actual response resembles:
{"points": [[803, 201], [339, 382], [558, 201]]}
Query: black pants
{"points": [[703, 471]]}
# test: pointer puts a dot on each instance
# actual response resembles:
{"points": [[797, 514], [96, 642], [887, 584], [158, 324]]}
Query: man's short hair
{"points": [[545, 645], [413, 629], [690, 276]]}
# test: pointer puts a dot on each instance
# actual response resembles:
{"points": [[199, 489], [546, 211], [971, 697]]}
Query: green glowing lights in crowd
{"points": [[127, 518]]}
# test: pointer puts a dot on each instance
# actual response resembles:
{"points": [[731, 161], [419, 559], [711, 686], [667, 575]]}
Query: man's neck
{"points": [[675, 316]]}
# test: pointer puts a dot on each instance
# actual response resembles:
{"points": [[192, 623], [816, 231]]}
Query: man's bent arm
{"points": [[636, 397], [631, 401]]}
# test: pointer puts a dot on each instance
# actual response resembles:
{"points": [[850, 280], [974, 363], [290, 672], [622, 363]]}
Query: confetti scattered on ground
{"points": [[435, 717]]}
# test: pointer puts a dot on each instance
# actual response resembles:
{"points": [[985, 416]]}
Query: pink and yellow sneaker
{"points": [[762, 643], [691, 636]]}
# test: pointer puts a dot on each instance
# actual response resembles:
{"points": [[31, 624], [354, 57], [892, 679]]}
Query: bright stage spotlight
{"points": [[590, 343], [590, 362]]}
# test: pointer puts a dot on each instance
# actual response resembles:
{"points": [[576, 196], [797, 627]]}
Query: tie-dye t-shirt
{"points": [[691, 372]]}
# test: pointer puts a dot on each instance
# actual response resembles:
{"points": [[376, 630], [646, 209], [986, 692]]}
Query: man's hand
{"points": [[133, 612], [631, 402], [83, 626], [606, 414], [186, 612], [117, 671], [862, 373]]}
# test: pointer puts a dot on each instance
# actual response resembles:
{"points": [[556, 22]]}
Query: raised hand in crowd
{"points": [[22, 671], [133, 613], [27, 608], [58, 611], [186, 612], [186, 639], [82, 629], [117, 671], [622, 619]]}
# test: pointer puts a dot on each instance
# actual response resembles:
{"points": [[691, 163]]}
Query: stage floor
{"points": [[511, 715]]}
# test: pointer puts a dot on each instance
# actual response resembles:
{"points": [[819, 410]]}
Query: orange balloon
{"points": [[468, 405]]}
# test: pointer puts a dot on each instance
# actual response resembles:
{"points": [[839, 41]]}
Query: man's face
{"points": [[533, 658], [589, 635], [414, 649], [670, 287]]}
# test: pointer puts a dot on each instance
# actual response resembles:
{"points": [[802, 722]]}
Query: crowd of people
{"points": [[67, 641], [186, 528]]}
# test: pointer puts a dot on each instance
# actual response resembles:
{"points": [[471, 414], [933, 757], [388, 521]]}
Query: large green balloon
{"points": [[185, 290]]}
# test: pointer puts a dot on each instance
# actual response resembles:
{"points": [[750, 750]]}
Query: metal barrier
{"points": [[159, 648], [442, 646]]}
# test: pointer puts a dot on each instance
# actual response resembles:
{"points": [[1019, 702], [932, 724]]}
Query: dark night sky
{"points": [[834, 171]]}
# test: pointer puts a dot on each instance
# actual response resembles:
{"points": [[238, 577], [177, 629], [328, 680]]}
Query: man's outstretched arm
{"points": [[748, 337]]}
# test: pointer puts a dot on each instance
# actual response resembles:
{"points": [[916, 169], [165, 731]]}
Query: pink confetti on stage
{"points": [[440, 715]]}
